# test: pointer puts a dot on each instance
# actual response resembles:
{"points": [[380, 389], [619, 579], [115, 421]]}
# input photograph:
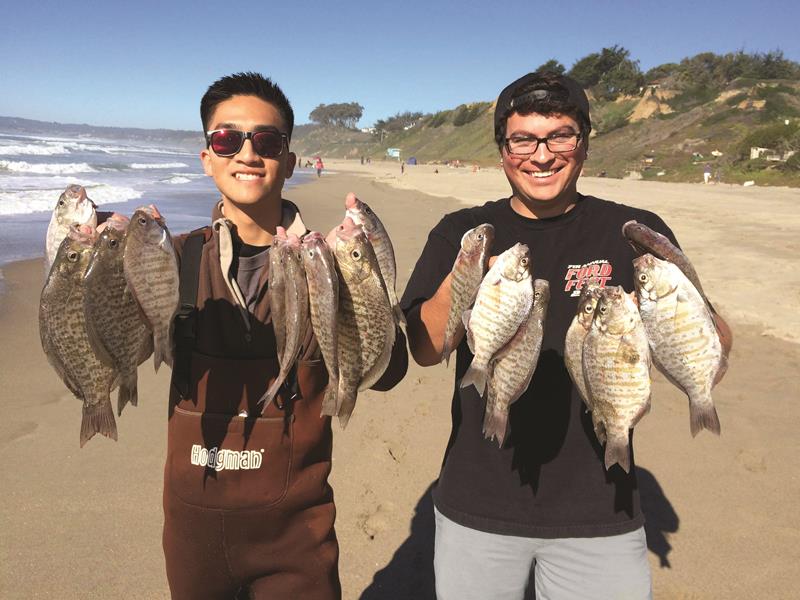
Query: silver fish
{"points": [[277, 288], [118, 334], [512, 368], [365, 324], [151, 270], [467, 273], [296, 311], [73, 206], [323, 295], [62, 330], [363, 215], [616, 365], [646, 241], [573, 343], [682, 336], [503, 302]]}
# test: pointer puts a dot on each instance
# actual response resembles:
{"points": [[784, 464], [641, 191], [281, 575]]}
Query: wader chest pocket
{"points": [[227, 461]]}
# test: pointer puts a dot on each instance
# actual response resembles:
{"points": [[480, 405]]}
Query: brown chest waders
{"points": [[248, 512]]}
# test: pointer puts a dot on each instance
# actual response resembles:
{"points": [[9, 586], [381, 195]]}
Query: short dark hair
{"points": [[565, 97], [246, 84]]}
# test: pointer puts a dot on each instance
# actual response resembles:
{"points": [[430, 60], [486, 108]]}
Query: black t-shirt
{"points": [[548, 480]]}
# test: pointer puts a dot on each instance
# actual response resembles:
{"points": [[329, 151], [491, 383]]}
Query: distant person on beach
{"points": [[543, 505], [319, 166], [248, 510], [402, 167], [706, 173], [717, 174]]}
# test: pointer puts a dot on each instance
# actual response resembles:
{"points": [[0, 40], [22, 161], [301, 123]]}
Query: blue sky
{"points": [[147, 63]]}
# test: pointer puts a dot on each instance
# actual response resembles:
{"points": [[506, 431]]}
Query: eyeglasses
{"points": [[228, 142], [558, 142]]}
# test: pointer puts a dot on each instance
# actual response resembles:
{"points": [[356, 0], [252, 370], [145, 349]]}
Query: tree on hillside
{"points": [[553, 66], [343, 114], [398, 122], [608, 73], [590, 69]]}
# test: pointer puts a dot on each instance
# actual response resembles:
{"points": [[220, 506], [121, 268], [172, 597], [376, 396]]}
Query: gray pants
{"points": [[474, 565]]}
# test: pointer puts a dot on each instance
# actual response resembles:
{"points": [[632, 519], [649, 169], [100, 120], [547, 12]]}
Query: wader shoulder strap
{"points": [[186, 318]]}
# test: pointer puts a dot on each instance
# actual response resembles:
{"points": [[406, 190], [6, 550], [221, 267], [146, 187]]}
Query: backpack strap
{"points": [[185, 321]]}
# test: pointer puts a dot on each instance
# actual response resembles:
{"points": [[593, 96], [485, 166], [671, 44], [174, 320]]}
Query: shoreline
{"points": [[710, 502]]}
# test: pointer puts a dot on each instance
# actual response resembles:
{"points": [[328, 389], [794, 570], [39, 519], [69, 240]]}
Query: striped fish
{"points": [[503, 302], [323, 295], [277, 288], [468, 271], [62, 330], [151, 270], [682, 335], [616, 365], [363, 215], [296, 313], [573, 343], [365, 324], [512, 368], [118, 334]]}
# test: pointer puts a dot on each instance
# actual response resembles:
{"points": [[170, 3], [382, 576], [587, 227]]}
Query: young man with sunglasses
{"points": [[542, 511], [248, 509]]}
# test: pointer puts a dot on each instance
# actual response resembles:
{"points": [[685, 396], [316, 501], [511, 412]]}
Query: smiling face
{"points": [[544, 183], [246, 179]]}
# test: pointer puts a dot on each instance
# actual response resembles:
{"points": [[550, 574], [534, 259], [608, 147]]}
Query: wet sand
{"points": [[86, 523]]}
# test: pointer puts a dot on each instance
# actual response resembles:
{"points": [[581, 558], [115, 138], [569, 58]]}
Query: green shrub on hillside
{"points": [[439, 119], [720, 116], [691, 97], [468, 113], [737, 99], [612, 116], [778, 137]]}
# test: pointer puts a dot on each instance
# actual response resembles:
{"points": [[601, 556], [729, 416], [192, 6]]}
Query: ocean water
{"points": [[118, 175]]}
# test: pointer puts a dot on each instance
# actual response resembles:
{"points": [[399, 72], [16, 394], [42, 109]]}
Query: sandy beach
{"points": [[721, 521]]}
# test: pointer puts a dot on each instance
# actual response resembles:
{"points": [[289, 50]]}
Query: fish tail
{"points": [[346, 400], [618, 451], [446, 350], [476, 376], [495, 424], [128, 392], [329, 401], [703, 415], [271, 392], [162, 349], [98, 418]]}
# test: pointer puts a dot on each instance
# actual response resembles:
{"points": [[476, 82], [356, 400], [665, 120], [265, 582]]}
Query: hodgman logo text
{"points": [[220, 458]]}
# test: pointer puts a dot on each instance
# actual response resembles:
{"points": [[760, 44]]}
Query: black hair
{"points": [[556, 103], [246, 84]]}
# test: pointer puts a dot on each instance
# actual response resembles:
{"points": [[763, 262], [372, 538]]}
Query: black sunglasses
{"points": [[227, 142]]}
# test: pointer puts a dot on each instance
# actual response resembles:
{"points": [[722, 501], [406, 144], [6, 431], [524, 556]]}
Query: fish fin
{"points": [[476, 376], [645, 409], [128, 393], [495, 424], [347, 402], [272, 391], [465, 317], [703, 416], [618, 451], [329, 400], [98, 418], [162, 348], [399, 315], [599, 428], [721, 370]]}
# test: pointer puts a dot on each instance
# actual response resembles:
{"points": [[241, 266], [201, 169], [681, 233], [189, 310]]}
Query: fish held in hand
{"points": [[573, 343], [73, 206], [363, 215], [323, 295], [682, 336], [65, 341], [151, 270], [117, 333], [366, 325], [512, 368], [277, 288], [616, 364], [646, 241], [296, 311], [467, 273], [504, 301]]}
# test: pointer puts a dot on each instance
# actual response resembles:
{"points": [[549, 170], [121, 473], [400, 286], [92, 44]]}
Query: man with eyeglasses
{"points": [[248, 511], [541, 512]]}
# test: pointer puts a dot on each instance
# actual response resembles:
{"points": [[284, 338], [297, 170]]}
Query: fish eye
{"points": [[356, 254], [524, 261], [112, 243], [643, 277], [588, 308], [480, 236], [72, 256], [142, 220], [61, 203], [603, 309]]}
